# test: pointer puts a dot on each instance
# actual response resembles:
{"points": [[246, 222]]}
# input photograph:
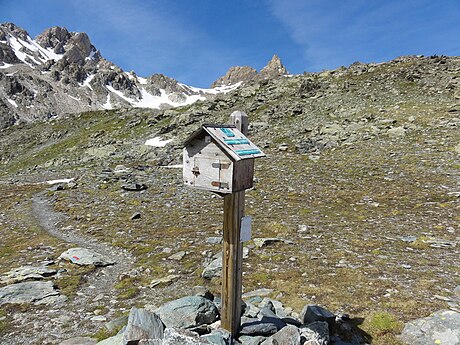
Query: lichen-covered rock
{"points": [[443, 327]]}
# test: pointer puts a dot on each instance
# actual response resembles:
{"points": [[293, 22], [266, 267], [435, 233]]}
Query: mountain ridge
{"points": [[61, 72]]}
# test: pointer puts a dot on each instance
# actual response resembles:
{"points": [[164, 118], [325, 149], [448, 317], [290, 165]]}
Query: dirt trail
{"points": [[103, 279]]}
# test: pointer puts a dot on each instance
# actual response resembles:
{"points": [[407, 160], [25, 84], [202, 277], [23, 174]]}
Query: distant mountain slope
{"points": [[61, 72]]}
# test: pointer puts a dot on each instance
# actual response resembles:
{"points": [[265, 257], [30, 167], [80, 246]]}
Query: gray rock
{"points": [[26, 273], [442, 327], [396, 132], [79, 341], [177, 256], [27, 292], [262, 242], [457, 291], [248, 340], [188, 312], [313, 312], [288, 335], [183, 337], [251, 310], [315, 333], [218, 337], [267, 309], [83, 256], [214, 240], [213, 270], [168, 280], [56, 300], [265, 327], [142, 324], [99, 318]]}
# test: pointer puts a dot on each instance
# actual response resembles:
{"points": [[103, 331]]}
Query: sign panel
{"points": [[245, 229]]}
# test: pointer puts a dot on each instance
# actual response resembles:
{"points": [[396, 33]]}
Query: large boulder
{"points": [[214, 269], [142, 325], [188, 312], [27, 292], [312, 312], [83, 256], [443, 327]]}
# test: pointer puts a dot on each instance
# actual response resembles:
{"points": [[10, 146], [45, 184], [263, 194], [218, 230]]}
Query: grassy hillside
{"points": [[361, 178]]}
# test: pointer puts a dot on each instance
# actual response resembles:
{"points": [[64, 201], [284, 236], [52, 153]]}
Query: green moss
{"points": [[104, 333], [420, 243], [128, 287], [381, 323], [69, 283]]}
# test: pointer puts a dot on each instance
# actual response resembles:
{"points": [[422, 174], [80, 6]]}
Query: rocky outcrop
{"points": [[54, 38], [274, 68], [237, 74]]}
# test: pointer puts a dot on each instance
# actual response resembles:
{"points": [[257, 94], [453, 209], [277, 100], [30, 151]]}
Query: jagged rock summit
{"points": [[238, 74], [274, 68], [62, 72]]}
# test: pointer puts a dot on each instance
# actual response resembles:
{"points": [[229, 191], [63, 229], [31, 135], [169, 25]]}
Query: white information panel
{"points": [[245, 229]]}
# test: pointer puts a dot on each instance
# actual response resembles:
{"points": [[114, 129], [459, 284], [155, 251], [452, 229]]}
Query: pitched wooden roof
{"points": [[229, 139]]}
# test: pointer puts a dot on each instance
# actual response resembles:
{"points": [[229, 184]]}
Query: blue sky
{"points": [[197, 41]]}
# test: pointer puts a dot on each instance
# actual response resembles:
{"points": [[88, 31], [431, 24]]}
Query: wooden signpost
{"points": [[220, 158]]}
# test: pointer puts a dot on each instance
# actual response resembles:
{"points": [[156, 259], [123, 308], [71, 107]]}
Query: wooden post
{"points": [[233, 248]]}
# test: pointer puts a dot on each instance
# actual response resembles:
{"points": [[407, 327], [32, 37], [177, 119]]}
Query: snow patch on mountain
{"points": [[42, 54], [147, 100], [87, 81], [157, 142], [213, 91]]}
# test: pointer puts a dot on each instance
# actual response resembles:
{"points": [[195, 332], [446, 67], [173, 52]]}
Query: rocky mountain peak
{"points": [[274, 68], [12, 29], [75, 46], [54, 38], [236, 74]]}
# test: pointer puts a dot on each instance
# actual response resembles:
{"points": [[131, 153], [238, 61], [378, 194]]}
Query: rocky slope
{"points": [[355, 207], [61, 72]]}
